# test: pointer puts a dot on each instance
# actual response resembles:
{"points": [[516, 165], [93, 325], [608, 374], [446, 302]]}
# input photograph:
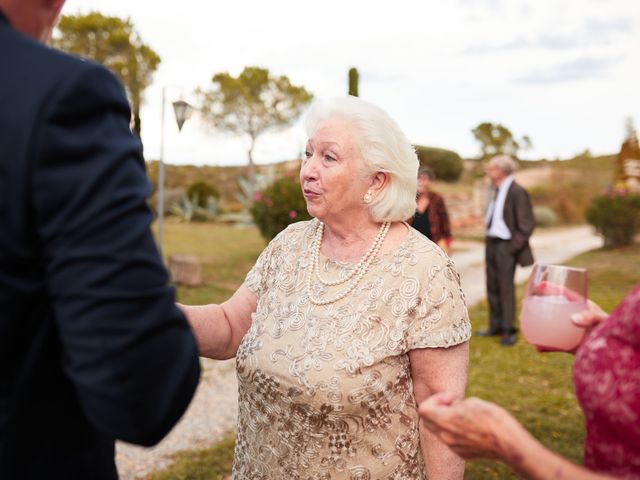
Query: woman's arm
{"points": [[474, 428], [435, 370], [219, 329]]}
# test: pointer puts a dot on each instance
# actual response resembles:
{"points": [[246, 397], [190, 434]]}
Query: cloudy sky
{"points": [[564, 72]]}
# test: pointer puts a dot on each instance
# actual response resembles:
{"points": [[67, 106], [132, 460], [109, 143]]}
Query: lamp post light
{"points": [[182, 112]]}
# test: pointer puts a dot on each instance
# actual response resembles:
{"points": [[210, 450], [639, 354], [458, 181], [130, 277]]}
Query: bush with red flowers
{"points": [[279, 205]]}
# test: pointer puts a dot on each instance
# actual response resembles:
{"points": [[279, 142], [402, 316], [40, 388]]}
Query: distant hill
{"points": [[597, 163], [225, 179], [574, 181]]}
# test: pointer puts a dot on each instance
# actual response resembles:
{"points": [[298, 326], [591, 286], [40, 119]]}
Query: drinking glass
{"points": [[554, 293]]}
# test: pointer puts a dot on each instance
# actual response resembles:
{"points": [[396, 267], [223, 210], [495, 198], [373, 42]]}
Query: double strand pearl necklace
{"points": [[356, 274]]}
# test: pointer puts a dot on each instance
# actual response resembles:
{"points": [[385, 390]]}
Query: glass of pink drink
{"points": [[554, 293]]}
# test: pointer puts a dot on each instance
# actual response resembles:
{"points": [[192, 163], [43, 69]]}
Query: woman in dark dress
{"points": [[431, 217]]}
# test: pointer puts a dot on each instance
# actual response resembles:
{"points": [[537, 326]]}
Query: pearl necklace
{"points": [[356, 274]]}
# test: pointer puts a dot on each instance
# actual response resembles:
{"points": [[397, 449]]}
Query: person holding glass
{"points": [[606, 377]]}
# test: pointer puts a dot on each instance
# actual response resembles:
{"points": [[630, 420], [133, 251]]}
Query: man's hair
{"points": [[504, 163], [383, 147]]}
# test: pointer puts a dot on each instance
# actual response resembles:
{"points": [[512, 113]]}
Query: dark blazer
{"points": [[518, 216], [92, 346]]}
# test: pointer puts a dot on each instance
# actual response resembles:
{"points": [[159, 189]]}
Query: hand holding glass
{"points": [[554, 293]]}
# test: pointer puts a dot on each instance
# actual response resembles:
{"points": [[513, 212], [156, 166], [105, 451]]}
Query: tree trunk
{"points": [[136, 122], [137, 127]]}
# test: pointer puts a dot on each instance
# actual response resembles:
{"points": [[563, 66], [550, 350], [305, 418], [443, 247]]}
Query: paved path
{"points": [[214, 409]]}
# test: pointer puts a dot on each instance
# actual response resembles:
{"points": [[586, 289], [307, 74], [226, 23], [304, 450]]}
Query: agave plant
{"points": [[188, 209], [246, 195]]}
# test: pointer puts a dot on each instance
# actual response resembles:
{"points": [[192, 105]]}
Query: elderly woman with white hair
{"points": [[347, 321]]}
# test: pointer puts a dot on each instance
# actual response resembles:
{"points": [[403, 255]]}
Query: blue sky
{"points": [[565, 72]]}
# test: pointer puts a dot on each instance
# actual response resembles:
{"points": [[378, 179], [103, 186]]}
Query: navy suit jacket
{"points": [[92, 346]]}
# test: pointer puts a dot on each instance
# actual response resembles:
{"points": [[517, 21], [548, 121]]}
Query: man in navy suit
{"points": [[92, 346]]}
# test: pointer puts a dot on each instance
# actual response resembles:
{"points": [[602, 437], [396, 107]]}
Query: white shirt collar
{"points": [[506, 183]]}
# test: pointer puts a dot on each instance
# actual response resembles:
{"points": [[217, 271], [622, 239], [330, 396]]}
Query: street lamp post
{"points": [[182, 112]]}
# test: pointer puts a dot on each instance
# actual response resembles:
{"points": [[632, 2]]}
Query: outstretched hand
{"points": [[473, 428]]}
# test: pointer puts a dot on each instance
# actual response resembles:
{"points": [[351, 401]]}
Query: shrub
{"points": [[279, 205], [545, 216], [616, 217], [568, 193], [202, 191], [447, 165]]}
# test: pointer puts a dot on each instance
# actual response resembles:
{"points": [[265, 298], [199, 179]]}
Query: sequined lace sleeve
{"points": [[262, 275], [440, 317], [256, 279]]}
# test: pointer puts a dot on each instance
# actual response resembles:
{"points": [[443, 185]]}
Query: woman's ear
{"points": [[378, 182]]}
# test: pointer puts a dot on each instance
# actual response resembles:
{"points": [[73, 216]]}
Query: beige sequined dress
{"points": [[325, 392]]}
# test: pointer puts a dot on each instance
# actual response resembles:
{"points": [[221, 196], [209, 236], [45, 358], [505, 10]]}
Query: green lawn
{"points": [[226, 253], [535, 387]]}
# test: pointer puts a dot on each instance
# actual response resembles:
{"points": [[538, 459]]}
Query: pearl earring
{"points": [[367, 197]]}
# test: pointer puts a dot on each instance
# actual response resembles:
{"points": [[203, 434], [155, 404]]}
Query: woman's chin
{"points": [[314, 212]]}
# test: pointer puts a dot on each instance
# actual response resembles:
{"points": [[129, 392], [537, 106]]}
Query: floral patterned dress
{"points": [[606, 375], [325, 392]]}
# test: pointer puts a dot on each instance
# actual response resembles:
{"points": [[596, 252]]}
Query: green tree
{"points": [[446, 164], [114, 43], [496, 139], [251, 104], [354, 78]]}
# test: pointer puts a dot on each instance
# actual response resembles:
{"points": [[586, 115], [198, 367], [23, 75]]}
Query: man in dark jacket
{"points": [[92, 346], [510, 223]]}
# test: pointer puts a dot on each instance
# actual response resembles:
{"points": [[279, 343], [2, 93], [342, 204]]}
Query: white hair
{"points": [[383, 147], [504, 163]]}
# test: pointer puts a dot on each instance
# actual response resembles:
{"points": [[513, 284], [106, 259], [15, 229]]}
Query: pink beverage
{"points": [[546, 322]]}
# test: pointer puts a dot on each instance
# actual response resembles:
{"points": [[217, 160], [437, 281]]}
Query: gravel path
{"points": [[211, 415], [213, 411]]}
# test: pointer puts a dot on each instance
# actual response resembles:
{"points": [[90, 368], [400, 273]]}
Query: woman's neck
{"points": [[347, 243]]}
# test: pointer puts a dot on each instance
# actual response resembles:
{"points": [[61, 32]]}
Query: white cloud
{"points": [[564, 72]]}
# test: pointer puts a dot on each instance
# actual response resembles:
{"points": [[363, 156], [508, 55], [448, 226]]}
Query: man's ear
{"points": [[55, 6]]}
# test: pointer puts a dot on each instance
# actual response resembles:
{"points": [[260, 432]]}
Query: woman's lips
{"points": [[310, 194]]}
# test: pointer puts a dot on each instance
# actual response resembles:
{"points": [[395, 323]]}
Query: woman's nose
{"points": [[308, 170]]}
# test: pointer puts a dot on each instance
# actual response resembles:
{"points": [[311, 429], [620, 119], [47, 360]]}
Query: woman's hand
{"points": [[445, 246], [589, 319], [472, 428]]}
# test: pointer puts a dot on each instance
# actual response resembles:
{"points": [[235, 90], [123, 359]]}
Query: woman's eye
{"points": [[307, 154], [330, 158]]}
